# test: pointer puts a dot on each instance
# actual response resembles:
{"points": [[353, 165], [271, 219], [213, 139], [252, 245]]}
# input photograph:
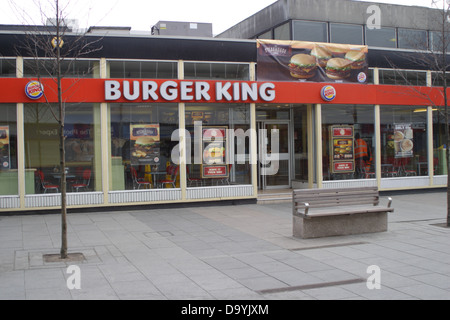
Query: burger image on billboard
{"points": [[322, 55], [303, 66], [338, 68], [357, 58]]}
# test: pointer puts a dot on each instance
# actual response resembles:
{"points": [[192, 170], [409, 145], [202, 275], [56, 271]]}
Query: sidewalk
{"points": [[227, 253]]}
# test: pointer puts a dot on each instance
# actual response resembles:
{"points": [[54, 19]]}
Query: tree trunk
{"points": [[62, 152]]}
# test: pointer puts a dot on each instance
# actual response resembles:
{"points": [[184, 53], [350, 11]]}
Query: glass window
{"points": [[412, 39], [403, 141], [282, 32], [143, 69], [8, 151], [221, 156], [437, 42], [266, 35], [301, 142], [141, 146], [384, 37], [82, 148], [370, 74], [439, 142], [346, 33], [402, 77], [7, 68], [310, 31], [438, 79], [348, 142], [216, 71], [69, 68]]}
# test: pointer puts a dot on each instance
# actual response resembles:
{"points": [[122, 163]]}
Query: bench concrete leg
{"points": [[341, 225]]}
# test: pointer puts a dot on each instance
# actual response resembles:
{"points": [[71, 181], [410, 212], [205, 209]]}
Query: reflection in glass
{"points": [[82, 148], [403, 141], [346, 33], [384, 37], [361, 119]]}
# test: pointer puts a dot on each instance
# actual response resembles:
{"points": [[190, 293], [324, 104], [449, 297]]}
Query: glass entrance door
{"points": [[274, 155]]}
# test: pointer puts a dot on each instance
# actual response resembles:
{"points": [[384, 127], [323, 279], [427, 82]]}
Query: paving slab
{"points": [[232, 252]]}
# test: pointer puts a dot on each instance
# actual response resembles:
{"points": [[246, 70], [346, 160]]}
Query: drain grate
{"points": [[312, 286]]}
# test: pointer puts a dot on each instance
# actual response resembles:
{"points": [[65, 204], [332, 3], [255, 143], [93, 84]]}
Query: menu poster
{"points": [[311, 61], [145, 144], [342, 149], [214, 152], [403, 140], [5, 157]]}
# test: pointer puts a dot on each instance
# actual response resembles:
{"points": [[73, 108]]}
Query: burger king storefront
{"points": [[147, 140]]}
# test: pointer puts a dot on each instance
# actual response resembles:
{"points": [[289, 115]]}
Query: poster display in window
{"points": [[311, 61], [214, 152], [403, 140], [342, 149], [145, 144], [5, 156]]}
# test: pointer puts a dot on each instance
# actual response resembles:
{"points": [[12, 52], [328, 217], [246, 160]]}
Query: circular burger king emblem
{"points": [[328, 93], [34, 90], [362, 77]]}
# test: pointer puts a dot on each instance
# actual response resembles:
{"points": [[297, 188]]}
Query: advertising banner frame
{"points": [[305, 61]]}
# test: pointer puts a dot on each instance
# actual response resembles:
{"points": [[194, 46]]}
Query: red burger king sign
{"points": [[34, 90]]}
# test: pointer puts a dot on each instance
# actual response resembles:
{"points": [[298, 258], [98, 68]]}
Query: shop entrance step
{"points": [[274, 197]]}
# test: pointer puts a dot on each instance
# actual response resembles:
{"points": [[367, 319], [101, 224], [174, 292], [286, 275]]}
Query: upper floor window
{"points": [[265, 35], [143, 69], [437, 41], [403, 77], [47, 68], [216, 71], [412, 39], [346, 33], [7, 68], [310, 31], [282, 32], [384, 37]]}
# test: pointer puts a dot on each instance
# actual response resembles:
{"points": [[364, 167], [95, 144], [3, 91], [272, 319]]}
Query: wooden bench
{"points": [[336, 212]]}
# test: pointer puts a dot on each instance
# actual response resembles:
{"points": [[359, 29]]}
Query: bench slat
{"points": [[337, 198], [347, 212], [327, 191], [336, 203], [297, 196]]}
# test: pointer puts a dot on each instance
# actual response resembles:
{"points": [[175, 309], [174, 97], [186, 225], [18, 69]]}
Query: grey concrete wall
{"points": [[340, 11]]}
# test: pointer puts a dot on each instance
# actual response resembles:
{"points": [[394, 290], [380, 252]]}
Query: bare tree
{"points": [[435, 59], [54, 49]]}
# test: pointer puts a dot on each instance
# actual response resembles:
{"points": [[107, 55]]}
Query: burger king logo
{"points": [[362, 77], [328, 93], [34, 90]]}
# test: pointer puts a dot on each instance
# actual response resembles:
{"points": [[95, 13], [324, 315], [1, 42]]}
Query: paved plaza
{"points": [[226, 252]]}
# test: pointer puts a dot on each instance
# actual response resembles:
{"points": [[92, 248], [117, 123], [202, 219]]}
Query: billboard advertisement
{"points": [[311, 61]]}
